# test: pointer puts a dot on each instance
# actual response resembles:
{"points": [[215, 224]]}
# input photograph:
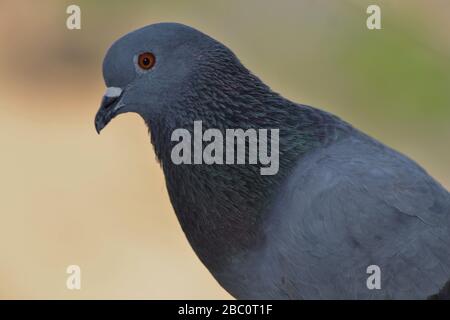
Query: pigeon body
{"points": [[340, 202]]}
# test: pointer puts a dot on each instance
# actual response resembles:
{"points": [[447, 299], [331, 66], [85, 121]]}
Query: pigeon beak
{"points": [[108, 108]]}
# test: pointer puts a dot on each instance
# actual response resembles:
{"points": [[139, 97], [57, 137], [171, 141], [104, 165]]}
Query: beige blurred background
{"points": [[69, 196]]}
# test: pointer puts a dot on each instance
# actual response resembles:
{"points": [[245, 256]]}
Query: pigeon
{"points": [[344, 217]]}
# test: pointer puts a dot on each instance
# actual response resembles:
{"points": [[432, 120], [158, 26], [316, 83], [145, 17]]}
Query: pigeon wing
{"points": [[355, 204]]}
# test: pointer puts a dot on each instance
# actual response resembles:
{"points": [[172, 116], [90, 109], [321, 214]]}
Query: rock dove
{"points": [[341, 204]]}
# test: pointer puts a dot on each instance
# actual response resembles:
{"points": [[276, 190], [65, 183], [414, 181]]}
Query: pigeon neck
{"points": [[222, 207]]}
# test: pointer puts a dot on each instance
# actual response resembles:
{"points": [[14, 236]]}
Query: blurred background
{"points": [[69, 196]]}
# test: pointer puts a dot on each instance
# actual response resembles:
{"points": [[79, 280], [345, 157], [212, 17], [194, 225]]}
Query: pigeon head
{"points": [[147, 68]]}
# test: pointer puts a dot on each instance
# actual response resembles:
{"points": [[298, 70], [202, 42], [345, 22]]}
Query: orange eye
{"points": [[146, 60]]}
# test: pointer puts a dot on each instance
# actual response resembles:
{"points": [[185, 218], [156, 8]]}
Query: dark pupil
{"points": [[146, 61]]}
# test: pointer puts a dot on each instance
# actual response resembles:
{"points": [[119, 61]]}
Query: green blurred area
{"points": [[59, 177]]}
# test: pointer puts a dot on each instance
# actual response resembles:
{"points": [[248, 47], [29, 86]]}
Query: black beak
{"points": [[108, 110]]}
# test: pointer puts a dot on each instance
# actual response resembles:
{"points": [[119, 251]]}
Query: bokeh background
{"points": [[69, 196]]}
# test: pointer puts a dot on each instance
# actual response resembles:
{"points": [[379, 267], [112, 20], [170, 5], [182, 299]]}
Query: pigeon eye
{"points": [[146, 60]]}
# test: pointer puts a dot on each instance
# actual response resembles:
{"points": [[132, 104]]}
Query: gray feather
{"points": [[340, 202]]}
